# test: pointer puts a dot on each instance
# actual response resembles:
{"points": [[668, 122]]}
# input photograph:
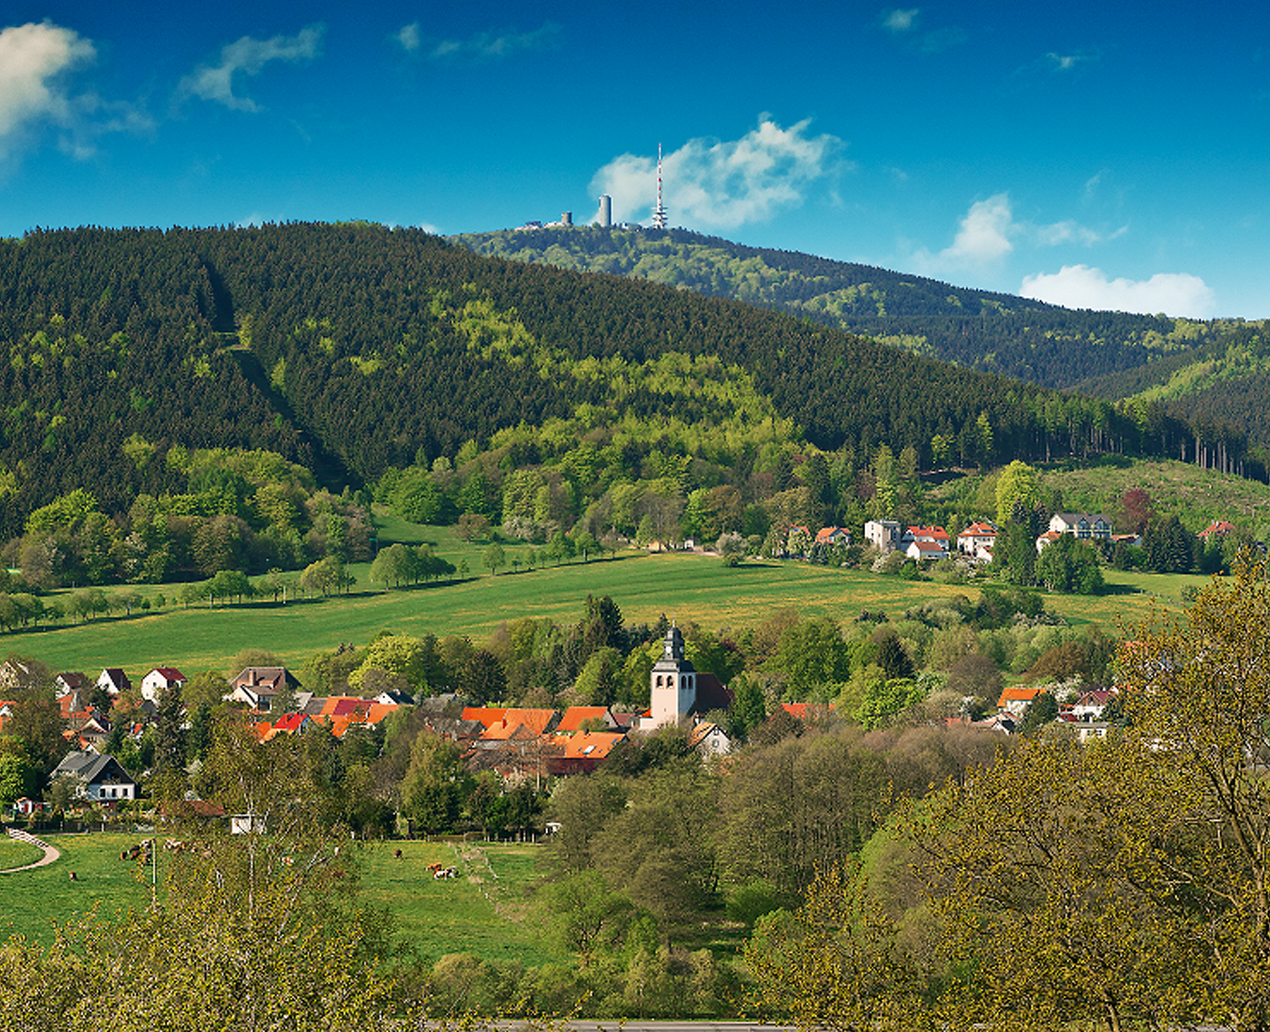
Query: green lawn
{"points": [[684, 587], [33, 900], [14, 853], [482, 912]]}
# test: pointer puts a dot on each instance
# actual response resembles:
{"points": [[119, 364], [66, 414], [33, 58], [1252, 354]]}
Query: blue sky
{"points": [[1094, 155]]}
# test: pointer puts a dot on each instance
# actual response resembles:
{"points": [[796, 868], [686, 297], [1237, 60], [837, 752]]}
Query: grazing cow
{"points": [[397, 854]]}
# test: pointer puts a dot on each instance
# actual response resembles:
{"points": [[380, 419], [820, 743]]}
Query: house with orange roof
{"points": [[522, 754], [924, 551], [977, 540], [926, 543], [1218, 528], [581, 753], [340, 712], [535, 721], [1017, 700], [806, 710], [710, 739], [1048, 538], [487, 715], [832, 536], [575, 716]]}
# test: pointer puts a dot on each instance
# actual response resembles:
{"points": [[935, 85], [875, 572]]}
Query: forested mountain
{"points": [[1014, 336], [358, 351], [1226, 381]]}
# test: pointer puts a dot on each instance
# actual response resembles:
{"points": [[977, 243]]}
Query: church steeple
{"points": [[673, 645], [673, 687]]}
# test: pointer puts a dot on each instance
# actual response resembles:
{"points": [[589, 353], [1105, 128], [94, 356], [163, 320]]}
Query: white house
{"points": [[977, 540], [926, 550], [99, 778], [1082, 525], [159, 680], [113, 680]]}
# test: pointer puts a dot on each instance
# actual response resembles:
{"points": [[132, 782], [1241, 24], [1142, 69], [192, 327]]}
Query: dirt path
{"points": [[50, 853]]}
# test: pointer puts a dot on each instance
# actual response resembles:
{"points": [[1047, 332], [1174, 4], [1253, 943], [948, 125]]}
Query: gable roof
{"points": [[712, 694], [574, 717], [115, 677], [272, 678], [594, 745], [535, 721], [1019, 695], [979, 529], [928, 533], [93, 768]]}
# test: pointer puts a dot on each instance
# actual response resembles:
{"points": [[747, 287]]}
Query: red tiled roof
{"points": [[536, 721], [1019, 695], [575, 715]]}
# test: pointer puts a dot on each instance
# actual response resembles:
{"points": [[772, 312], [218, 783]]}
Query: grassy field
{"points": [[14, 853], [482, 912], [684, 587], [33, 900]]}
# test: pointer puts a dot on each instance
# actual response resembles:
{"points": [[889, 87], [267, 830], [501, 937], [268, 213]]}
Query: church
{"points": [[681, 695]]}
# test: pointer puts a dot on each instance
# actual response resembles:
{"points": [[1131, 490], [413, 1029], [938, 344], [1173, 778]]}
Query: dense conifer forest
{"points": [[214, 395], [1017, 337]]}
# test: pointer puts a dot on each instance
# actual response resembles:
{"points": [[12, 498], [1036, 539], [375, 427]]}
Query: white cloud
{"points": [[984, 232], [723, 184], [409, 37], [1069, 62], [493, 46], [36, 66], [34, 60], [1066, 232], [248, 56], [900, 20], [1079, 286], [989, 231]]}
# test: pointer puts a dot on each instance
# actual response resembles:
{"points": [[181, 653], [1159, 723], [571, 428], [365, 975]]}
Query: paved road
{"points": [[50, 853]]}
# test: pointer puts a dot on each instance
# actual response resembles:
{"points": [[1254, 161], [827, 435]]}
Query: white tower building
{"points": [[674, 682], [605, 215]]}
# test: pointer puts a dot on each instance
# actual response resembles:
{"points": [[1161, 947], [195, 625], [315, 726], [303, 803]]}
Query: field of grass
{"points": [[481, 912], [33, 900], [684, 587], [15, 853]]}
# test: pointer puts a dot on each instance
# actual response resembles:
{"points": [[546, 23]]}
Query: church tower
{"points": [[674, 682]]}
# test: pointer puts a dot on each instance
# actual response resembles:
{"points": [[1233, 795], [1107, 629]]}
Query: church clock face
{"points": [[669, 651]]}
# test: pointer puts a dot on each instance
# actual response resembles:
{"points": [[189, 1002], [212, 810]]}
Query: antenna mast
{"points": [[659, 213]]}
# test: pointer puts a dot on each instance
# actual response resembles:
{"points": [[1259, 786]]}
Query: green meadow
{"points": [[684, 587], [483, 911]]}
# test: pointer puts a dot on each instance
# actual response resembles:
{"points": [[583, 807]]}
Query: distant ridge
{"points": [[1017, 337]]}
